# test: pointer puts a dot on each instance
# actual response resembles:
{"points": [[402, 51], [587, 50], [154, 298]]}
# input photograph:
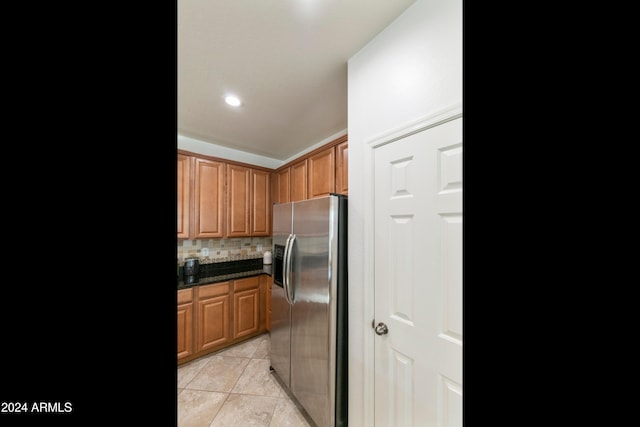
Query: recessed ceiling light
{"points": [[232, 100]]}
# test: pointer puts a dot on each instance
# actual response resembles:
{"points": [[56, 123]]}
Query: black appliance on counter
{"points": [[191, 267]]}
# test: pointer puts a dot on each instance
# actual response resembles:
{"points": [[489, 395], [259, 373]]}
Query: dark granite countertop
{"points": [[223, 271]]}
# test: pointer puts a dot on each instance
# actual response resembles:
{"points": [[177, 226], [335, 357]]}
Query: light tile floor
{"points": [[233, 387]]}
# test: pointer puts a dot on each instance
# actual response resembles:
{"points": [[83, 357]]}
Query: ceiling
{"points": [[286, 60]]}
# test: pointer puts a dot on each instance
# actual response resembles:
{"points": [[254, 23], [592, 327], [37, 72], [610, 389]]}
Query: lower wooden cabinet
{"points": [[212, 317], [246, 306], [185, 323]]}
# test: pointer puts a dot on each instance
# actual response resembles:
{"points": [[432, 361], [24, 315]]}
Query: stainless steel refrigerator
{"points": [[309, 306]]}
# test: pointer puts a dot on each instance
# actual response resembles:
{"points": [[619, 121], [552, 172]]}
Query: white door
{"points": [[418, 278]]}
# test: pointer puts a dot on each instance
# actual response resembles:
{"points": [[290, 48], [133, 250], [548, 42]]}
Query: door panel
{"points": [[260, 203], [209, 199], [280, 354], [418, 278], [213, 326], [185, 330], [299, 181], [246, 314], [238, 201]]}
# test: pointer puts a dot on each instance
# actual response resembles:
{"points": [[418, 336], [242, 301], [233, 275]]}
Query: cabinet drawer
{"points": [[213, 290], [185, 295], [247, 283]]}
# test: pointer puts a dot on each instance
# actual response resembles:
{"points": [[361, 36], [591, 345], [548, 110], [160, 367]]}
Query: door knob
{"points": [[381, 329]]}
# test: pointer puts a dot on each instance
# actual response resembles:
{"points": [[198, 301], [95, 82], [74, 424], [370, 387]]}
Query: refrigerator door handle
{"points": [[285, 269], [289, 289]]}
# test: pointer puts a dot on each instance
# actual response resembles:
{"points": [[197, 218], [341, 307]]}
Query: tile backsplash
{"points": [[223, 249]]}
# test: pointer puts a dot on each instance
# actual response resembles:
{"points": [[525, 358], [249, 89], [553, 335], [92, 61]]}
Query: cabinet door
{"points": [[322, 173], [260, 203], [238, 201], [342, 168], [246, 306], [184, 195], [213, 316], [208, 199], [299, 181], [185, 323], [284, 186], [185, 330]]}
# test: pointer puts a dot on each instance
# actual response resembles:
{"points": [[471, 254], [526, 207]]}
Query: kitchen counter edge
{"points": [[266, 269]]}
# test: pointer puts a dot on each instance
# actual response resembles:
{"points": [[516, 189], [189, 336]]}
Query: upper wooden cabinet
{"points": [[200, 208], [299, 181], [342, 168], [281, 186], [213, 315], [248, 201], [322, 173], [260, 203], [219, 198], [238, 200], [184, 195], [208, 212], [317, 174], [185, 323]]}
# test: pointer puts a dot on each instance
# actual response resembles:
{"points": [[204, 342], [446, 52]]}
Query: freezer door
{"points": [[280, 354], [313, 313]]}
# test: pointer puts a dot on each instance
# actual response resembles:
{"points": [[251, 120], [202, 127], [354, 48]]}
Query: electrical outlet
{"points": [[259, 248], [205, 251]]}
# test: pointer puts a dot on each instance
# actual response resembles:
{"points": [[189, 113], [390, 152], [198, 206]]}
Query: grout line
{"points": [[239, 376], [220, 409]]}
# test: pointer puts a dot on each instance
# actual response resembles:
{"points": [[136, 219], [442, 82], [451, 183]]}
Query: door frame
{"points": [[409, 128]]}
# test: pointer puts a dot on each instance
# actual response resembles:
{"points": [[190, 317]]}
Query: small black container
{"points": [[191, 267]]}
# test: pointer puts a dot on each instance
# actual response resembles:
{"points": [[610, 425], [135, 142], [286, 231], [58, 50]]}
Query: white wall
{"points": [[411, 70]]}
